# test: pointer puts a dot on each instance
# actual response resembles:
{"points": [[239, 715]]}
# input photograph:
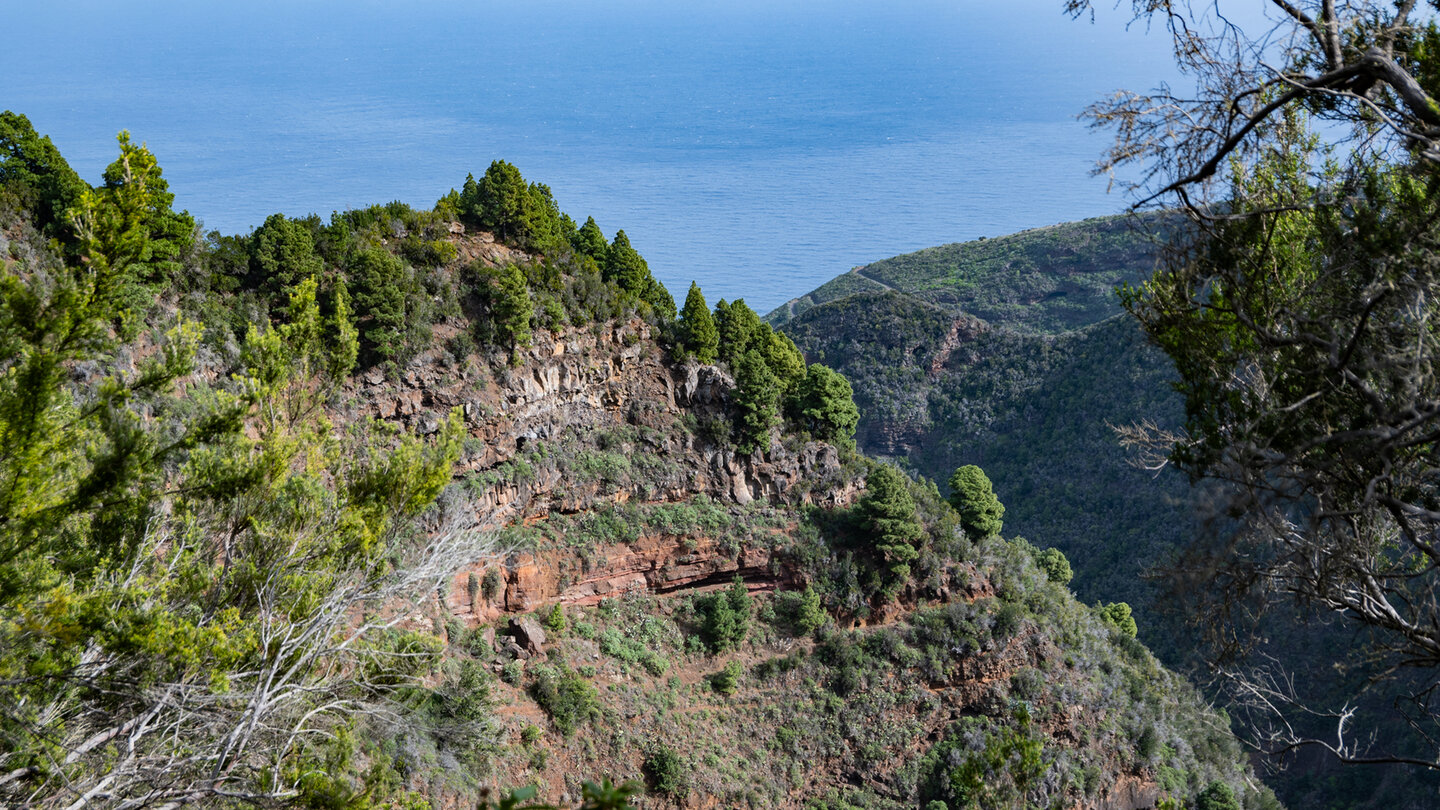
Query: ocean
{"points": [[758, 148]]}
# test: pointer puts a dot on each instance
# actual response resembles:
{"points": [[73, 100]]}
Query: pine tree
{"points": [[888, 512], [512, 309], [590, 241], [738, 326], [826, 406], [697, 327], [659, 299], [624, 267], [380, 282], [973, 496], [158, 535], [786, 361], [30, 164], [727, 617], [168, 235], [757, 403], [282, 254], [501, 197]]}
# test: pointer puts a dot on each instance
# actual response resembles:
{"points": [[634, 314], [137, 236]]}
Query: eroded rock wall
{"points": [[570, 395]]}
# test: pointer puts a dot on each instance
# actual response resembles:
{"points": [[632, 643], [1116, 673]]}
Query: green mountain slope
{"points": [[1013, 354], [1045, 280], [988, 353], [391, 511]]}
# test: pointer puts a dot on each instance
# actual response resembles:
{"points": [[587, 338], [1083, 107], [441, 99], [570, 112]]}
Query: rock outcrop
{"points": [[607, 393]]}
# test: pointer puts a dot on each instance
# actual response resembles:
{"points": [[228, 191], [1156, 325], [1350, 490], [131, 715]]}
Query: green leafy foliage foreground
{"points": [[182, 562]]}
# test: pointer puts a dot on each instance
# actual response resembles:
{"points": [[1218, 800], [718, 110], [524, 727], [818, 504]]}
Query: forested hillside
{"points": [[1034, 392], [1030, 390], [424, 508]]}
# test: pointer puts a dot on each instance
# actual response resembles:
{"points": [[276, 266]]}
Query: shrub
{"points": [[809, 615], [490, 586], [973, 496], [1056, 567], [1008, 620], [1118, 616], [1217, 796], [726, 619], [568, 698], [555, 619], [727, 680], [981, 765], [665, 771]]}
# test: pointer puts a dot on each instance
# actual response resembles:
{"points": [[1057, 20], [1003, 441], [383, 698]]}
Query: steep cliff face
{"points": [[573, 391], [592, 418]]}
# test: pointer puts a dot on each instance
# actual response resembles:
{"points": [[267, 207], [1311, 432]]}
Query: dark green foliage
{"points": [[885, 344], [33, 169], [1046, 280], [739, 327], [491, 585], [463, 703], [807, 612], [501, 204], [1217, 796], [783, 357], [282, 254], [589, 241], [604, 795], [757, 403], [697, 327], [523, 215], [983, 767], [973, 497], [666, 772], [825, 404], [1056, 567], [1030, 402], [511, 309], [887, 511], [624, 267], [568, 698], [378, 281], [727, 681], [725, 617], [1118, 616]]}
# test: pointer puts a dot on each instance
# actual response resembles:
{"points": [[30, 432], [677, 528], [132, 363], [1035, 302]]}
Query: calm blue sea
{"points": [[757, 147]]}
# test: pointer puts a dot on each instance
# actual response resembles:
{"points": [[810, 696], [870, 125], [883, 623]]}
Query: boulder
{"points": [[528, 633]]}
